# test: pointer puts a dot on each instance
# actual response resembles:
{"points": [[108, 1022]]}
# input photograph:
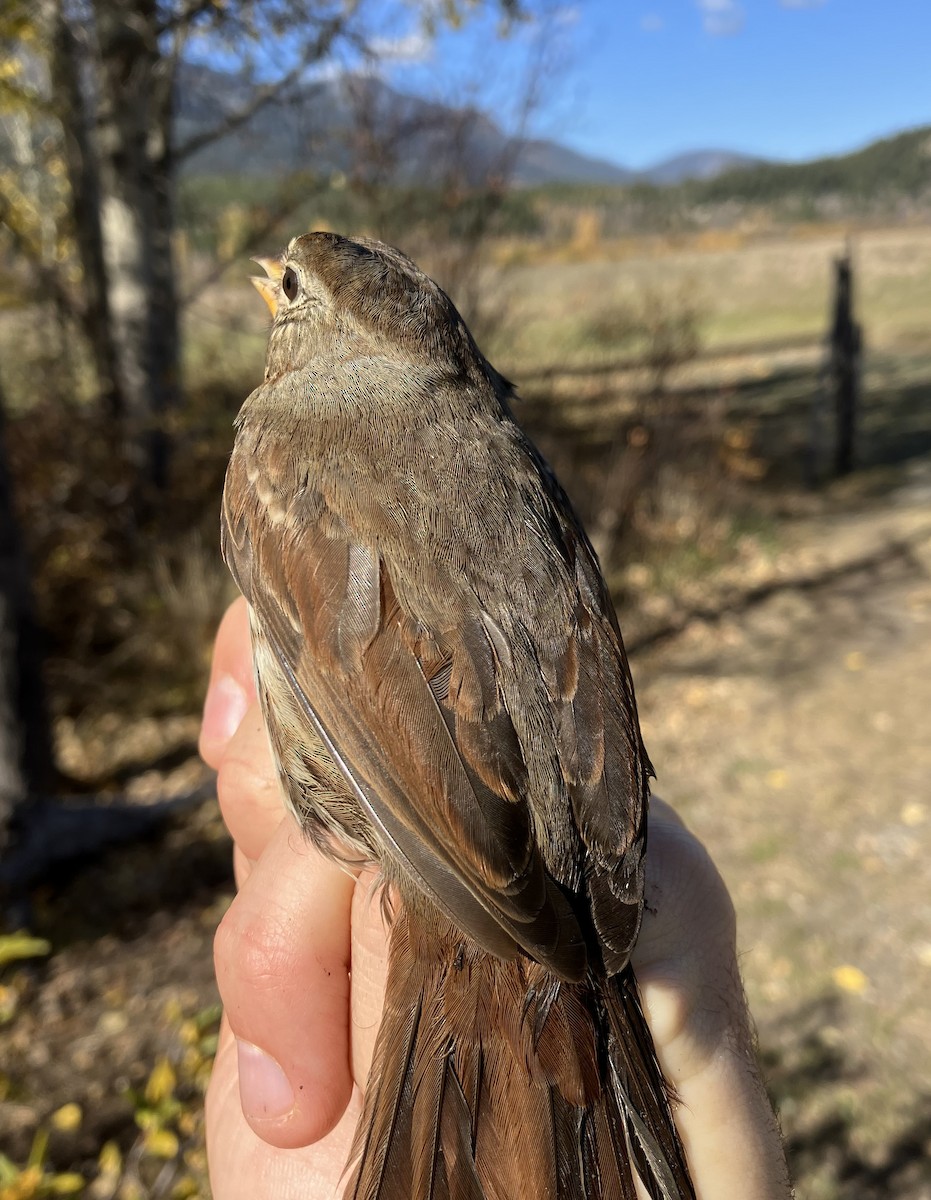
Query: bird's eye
{"points": [[289, 283]]}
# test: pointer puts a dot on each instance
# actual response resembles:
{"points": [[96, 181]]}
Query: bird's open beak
{"points": [[268, 288]]}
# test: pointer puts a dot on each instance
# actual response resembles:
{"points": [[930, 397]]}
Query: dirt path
{"points": [[795, 737]]}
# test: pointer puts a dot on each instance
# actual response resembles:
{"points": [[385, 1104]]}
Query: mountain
{"points": [[328, 125], [893, 166], [540, 161], [697, 164], [332, 125]]}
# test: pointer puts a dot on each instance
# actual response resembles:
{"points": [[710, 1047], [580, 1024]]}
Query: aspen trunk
{"points": [[136, 221]]}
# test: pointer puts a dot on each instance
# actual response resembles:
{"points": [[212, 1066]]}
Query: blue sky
{"points": [[639, 80]]}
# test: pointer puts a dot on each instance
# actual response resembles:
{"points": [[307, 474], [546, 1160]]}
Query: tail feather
{"points": [[477, 1096], [461, 1173], [392, 1065], [644, 1095], [430, 1084], [606, 1153], [507, 1156]]}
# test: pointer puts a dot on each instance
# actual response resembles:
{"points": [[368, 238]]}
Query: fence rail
{"points": [[797, 344]]}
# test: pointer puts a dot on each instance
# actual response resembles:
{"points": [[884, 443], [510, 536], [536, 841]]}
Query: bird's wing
{"points": [[599, 746], [423, 722]]}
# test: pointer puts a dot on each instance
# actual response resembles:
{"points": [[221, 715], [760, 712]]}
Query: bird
{"points": [[447, 695]]}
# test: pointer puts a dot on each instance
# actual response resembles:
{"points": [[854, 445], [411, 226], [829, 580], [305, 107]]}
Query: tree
{"points": [[87, 107], [108, 77], [26, 758], [114, 79]]}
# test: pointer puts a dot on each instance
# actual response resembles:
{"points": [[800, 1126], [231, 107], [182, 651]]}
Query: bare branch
{"points": [[50, 280], [280, 207], [314, 51], [185, 16]]}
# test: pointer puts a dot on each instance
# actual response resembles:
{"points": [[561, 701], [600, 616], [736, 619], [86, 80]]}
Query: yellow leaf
{"points": [[850, 979], [147, 1119], [67, 1184], [161, 1143], [173, 1011], [913, 814], [9, 1001], [17, 946], [38, 1149], [161, 1082], [777, 779], [189, 1033], [110, 1160], [25, 1186], [208, 1045], [67, 1118], [855, 661]]}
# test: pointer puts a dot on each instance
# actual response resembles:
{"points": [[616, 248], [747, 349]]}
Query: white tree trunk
{"points": [[136, 219]]}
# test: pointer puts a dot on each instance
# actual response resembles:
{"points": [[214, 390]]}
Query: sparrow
{"points": [[447, 696]]}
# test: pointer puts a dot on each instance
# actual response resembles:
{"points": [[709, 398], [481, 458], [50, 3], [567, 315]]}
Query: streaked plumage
{"points": [[447, 694]]}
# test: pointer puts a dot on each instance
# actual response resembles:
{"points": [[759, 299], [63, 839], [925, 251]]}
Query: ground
{"points": [[789, 736]]}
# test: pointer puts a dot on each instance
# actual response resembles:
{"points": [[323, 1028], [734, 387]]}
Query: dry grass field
{"points": [[781, 645], [764, 288]]}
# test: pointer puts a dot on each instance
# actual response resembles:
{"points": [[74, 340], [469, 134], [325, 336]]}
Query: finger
{"points": [[661, 812], [369, 970], [248, 788], [688, 908], [231, 688], [685, 957], [282, 962], [243, 1166], [242, 866]]}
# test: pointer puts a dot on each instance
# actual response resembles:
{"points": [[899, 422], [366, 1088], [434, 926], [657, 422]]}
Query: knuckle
{"points": [[241, 781], [254, 949]]}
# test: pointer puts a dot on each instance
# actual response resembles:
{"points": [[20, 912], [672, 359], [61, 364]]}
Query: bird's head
{"points": [[346, 298]]}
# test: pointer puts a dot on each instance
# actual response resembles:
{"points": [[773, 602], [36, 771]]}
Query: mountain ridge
{"points": [[363, 125], [320, 121]]}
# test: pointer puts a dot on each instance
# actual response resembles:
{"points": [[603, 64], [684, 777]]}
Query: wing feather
{"points": [[471, 848]]}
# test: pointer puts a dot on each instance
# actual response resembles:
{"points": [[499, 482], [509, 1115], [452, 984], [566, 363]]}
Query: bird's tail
{"points": [[494, 1081], [642, 1096]]}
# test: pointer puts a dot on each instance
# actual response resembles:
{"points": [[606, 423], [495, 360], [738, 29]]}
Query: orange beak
{"points": [[268, 288]]}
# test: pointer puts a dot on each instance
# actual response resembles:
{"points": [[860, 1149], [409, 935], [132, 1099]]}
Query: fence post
{"points": [[846, 347]]}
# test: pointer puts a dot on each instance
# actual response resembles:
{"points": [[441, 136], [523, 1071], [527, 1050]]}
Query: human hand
{"points": [[280, 1119]]}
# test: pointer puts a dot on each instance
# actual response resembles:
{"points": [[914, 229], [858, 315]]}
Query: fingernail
{"points": [[264, 1090], [224, 709]]}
